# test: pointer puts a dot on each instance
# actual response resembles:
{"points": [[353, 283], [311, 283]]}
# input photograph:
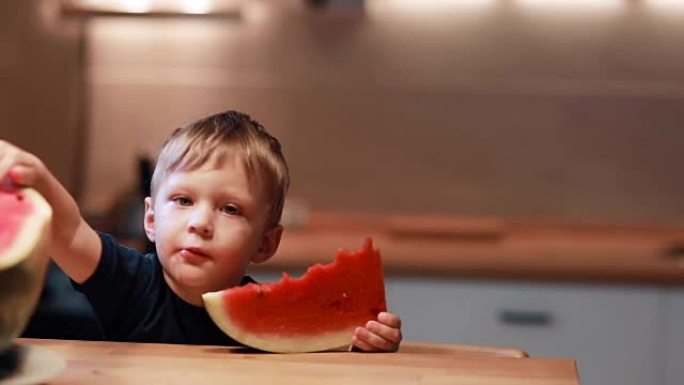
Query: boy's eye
{"points": [[231, 209], [183, 201]]}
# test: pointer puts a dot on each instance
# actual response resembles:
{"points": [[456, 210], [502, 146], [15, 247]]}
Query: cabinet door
{"points": [[674, 337], [611, 331]]}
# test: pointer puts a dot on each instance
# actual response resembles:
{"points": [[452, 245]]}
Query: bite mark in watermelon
{"points": [[315, 312], [24, 240]]}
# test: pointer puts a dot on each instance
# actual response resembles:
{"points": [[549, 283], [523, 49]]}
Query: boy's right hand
{"points": [[74, 245], [19, 167]]}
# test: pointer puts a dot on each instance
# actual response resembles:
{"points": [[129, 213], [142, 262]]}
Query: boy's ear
{"points": [[269, 244], [148, 221]]}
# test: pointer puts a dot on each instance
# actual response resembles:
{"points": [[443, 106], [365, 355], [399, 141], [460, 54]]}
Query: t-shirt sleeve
{"points": [[119, 287]]}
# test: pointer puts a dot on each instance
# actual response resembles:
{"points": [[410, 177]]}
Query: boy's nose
{"points": [[201, 222]]}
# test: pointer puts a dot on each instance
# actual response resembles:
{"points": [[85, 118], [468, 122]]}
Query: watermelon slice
{"points": [[24, 235], [315, 312]]}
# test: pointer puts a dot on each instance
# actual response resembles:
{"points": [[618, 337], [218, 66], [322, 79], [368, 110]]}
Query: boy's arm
{"points": [[75, 246]]}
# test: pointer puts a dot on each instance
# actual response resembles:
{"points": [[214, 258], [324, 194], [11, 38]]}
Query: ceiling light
{"points": [[214, 8]]}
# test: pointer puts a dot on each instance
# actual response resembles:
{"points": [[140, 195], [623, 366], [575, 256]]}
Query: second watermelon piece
{"points": [[315, 312]]}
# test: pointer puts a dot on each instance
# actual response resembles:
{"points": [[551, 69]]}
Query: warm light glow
{"points": [[92, 3], [196, 6], [428, 6], [574, 5], [156, 6], [136, 6], [666, 5]]}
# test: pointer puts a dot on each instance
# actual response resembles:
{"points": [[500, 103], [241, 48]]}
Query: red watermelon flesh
{"points": [[24, 240], [317, 311], [14, 208]]}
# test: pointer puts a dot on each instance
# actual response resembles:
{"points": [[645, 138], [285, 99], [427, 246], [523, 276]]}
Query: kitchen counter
{"points": [[491, 248], [137, 363]]}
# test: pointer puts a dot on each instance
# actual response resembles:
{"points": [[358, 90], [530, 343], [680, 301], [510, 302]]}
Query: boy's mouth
{"points": [[193, 255]]}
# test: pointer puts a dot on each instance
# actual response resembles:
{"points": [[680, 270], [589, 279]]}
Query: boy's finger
{"points": [[5, 165], [375, 340], [389, 319], [362, 345], [8, 159], [21, 175], [384, 331]]}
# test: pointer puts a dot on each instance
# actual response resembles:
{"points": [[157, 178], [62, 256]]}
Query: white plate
{"points": [[37, 365]]}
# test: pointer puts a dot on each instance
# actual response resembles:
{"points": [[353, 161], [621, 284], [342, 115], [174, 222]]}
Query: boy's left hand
{"points": [[382, 335]]}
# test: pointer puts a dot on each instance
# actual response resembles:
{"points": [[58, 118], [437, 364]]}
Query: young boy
{"points": [[217, 196]]}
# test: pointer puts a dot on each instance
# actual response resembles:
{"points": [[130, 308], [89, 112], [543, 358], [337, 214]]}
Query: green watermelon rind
{"points": [[29, 235], [218, 311]]}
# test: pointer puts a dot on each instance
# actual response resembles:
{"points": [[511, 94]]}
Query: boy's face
{"points": [[208, 224]]}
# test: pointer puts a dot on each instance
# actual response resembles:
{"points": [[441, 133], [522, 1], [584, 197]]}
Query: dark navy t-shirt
{"points": [[132, 302]]}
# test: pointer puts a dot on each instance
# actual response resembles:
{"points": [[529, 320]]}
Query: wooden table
{"points": [[136, 363]]}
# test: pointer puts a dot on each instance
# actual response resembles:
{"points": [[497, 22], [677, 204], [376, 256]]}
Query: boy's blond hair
{"points": [[215, 138]]}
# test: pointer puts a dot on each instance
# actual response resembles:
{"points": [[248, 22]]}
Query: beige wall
{"points": [[508, 110], [40, 86]]}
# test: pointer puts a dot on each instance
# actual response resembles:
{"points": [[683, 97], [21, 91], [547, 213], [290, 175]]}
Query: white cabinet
{"points": [[615, 333], [673, 338], [612, 332]]}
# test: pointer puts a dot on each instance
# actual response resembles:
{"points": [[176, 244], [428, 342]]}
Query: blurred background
{"points": [[516, 161]]}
